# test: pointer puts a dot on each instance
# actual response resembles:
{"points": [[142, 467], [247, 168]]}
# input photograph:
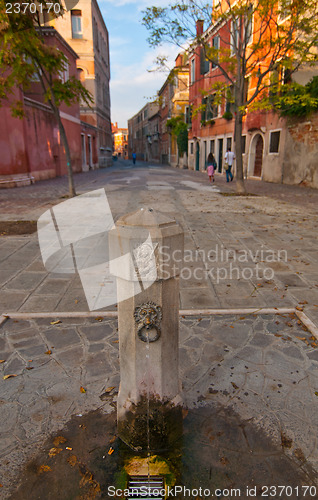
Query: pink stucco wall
{"points": [[32, 145]]}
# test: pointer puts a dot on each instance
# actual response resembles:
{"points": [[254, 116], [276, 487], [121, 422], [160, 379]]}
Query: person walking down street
{"points": [[211, 166], [229, 158], [134, 156]]}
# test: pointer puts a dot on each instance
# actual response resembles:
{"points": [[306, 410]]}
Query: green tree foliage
{"points": [[179, 129], [255, 35], [297, 100], [24, 55]]}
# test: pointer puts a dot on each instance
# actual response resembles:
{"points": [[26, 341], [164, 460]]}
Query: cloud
{"points": [[132, 86]]}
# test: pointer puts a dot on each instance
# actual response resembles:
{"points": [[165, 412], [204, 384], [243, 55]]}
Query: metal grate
{"points": [[146, 487]]}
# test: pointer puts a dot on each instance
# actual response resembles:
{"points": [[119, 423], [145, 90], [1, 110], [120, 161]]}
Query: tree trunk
{"points": [[71, 185], [240, 186]]}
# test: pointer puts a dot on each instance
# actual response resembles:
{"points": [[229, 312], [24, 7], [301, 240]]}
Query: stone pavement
{"points": [[255, 251], [261, 367], [240, 252]]}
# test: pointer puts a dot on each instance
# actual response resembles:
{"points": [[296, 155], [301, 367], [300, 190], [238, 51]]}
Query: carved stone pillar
{"points": [[148, 406]]}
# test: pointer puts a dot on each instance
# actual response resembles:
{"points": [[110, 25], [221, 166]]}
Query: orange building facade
{"points": [[266, 137], [120, 141]]}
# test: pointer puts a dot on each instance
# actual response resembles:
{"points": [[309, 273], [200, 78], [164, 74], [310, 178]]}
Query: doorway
{"points": [[90, 152], [258, 163], [197, 157], [220, 162], [255, 157], [84, 161]]}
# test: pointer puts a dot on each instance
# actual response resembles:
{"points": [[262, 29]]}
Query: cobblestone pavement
{"points": [[262, 367], [255, 251]]}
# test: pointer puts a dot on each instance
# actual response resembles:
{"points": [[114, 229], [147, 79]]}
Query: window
{"points": [[248, 25], [216, 47], [37, 71], [65, 73], [228, 143], [191, 148], [235, 36], [212, 146], [204, 63], [274, 142], [188, 115], [209, 108], [76, 18], [229, 105], [193, 71], [286, 76]]}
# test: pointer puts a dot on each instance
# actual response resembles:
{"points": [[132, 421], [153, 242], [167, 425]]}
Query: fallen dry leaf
{"points": [[9, 376], [299, 308], [109, 389], [58, 440], [300, 338], [44, 468], [72, 460], [55, 322], [112, 440], [48, 352], [100, 318], [111, 451], [54, 451], [68, 448], [115, 341], [82, 389]]}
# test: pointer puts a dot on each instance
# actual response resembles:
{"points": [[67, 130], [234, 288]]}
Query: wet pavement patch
{"points": [[218, 451], [244, 378], [17, 227]]}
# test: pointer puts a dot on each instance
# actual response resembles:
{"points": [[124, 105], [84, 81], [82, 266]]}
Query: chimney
{"points": [[199, 25]]}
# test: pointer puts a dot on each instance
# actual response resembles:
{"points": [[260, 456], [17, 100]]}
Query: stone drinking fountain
{"points": [[149, 411]]}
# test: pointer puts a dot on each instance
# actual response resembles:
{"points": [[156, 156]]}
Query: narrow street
{"points": [[268, 241]]}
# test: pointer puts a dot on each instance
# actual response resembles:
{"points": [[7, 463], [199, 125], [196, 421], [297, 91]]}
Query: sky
{"points": [[132, 85]]}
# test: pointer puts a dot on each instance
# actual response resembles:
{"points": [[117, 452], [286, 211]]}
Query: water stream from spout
{"points": [[148, 406]]}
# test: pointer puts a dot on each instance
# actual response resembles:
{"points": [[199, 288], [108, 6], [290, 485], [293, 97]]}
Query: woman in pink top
{"points": [[211, 165]]}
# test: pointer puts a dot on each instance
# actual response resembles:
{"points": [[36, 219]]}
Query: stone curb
{"points": [[182, 312]]}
